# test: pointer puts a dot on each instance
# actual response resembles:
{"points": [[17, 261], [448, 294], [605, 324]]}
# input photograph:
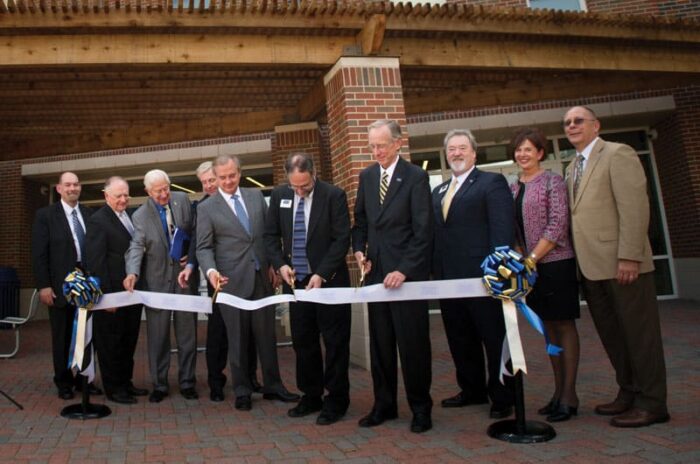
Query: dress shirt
{"points": [[459, 180], [228, 196], [586, 153], [68, 210], [389, 171], [126, 221]]}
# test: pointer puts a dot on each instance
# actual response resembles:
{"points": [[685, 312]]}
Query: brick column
{"points": [[358, 92], [304, 137]]}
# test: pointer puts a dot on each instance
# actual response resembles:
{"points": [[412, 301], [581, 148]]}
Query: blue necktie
{"points": [[79, 232], [164, 222], [245, 222], [299, 262]]}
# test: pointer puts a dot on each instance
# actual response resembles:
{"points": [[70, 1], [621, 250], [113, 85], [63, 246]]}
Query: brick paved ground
{"points": [[177, 430]]}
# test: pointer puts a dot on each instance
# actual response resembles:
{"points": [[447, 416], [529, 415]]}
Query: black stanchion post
{"points": [[519, 430], [85, 410]]}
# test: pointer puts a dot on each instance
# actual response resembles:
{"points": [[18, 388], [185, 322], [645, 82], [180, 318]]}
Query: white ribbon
{"points": [[512, 345], [425, 290]]}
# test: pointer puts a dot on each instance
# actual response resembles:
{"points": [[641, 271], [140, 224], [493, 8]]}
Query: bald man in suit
{"points": [[609, 221]]}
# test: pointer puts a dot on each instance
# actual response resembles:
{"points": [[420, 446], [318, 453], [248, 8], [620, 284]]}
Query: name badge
{"points": [[443, 188], [286, 203]]}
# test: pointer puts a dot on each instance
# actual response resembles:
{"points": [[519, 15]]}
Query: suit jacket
{"points": [[399, 232], [610, 214], [223, 243], [106, 243], [148, 255], [327, 237], [481, 217], [53, 249]]}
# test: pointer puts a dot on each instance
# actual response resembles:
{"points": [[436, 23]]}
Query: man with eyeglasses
{"points": [[392, 241], [609, 222], [151, 259], [307, 236], [474, 214], [231, 252], [108, 237]]}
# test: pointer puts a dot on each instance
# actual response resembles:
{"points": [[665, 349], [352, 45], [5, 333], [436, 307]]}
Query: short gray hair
{"points": [[394, 127], [114, 179], [460, 132], [154, 175], [223, 160], [204, 167]]}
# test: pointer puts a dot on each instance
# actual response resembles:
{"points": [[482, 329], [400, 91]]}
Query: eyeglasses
{"points": [[574, 122]]}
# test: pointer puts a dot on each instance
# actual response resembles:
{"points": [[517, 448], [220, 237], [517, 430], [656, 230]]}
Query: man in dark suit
{"points": [[307, 235], [231, 252], [149, 259], [392, 239], [58, 244], [117, 329], [217, 341], [609, 223], [474, 213]]}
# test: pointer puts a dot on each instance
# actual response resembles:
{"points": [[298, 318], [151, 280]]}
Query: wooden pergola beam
{"points": [[371, 36], [505, 53], [526, 91], [144, 135]]}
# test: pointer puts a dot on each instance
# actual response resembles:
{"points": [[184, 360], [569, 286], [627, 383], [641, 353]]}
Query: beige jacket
{"points": [[610, 214]]}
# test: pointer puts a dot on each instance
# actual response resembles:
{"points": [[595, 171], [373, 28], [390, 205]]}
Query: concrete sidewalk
{"points": [[177, 430]]}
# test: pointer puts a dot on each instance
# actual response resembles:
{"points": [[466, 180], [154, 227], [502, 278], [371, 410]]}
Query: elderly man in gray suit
{"points": [[150, 258], [231, 252]]}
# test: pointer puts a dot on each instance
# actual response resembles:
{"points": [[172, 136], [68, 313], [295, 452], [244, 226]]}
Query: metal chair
{"points": [[17, 322]]}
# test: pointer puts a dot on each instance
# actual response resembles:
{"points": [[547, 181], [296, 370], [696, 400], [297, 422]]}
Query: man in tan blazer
{"points": [[609, 220]]}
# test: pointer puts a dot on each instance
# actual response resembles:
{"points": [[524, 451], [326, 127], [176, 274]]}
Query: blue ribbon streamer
{"points": [[538, 325]]}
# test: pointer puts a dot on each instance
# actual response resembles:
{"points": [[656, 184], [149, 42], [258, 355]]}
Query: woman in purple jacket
{"points": [[542, 213]]}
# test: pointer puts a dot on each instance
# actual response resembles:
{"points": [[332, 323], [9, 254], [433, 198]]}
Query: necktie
{"points": [[299, 262], [164, 222], [447, 201], [169, 221], [245, 222], [79, 232], [578, 172], [124, 218], [383, 187]]}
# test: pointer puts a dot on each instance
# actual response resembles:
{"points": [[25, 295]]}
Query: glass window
{"points": [[566, 5], [427, 160], [636, 139]]}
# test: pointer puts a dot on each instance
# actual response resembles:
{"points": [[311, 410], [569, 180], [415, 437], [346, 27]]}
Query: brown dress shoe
{"points": [[613, 409], [636, 417]]}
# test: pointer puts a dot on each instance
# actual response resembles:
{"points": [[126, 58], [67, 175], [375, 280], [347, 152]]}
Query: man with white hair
{"points": [[150, 258]]}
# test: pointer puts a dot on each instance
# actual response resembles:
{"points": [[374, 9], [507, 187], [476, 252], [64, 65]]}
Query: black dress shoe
{"points": [[157, 396], [257, 388], [216, 395], [499, 412], [421, 422], [133, 391], [121, 397], [461, 399], [92, 389], [562, 413], [283, 395], [65, 393], [243, 403], [304, 408], [375, 418], [549, 408], [328, 417], [189, 393]]}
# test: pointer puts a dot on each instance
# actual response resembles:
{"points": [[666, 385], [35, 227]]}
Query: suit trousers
{"points": [[310, 322], [260, 324], [217, 351], [473, 325], [407, 324], [116, 336], [158, 330], [61, 319], [627, 320]]}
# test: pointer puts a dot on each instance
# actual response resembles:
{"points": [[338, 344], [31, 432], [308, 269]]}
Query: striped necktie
{"points": [[299, 261], [383, 187], [79, 232]]}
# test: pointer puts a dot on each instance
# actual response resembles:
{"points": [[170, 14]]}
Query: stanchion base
{"points": [[90, 411], [535, 432]]}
